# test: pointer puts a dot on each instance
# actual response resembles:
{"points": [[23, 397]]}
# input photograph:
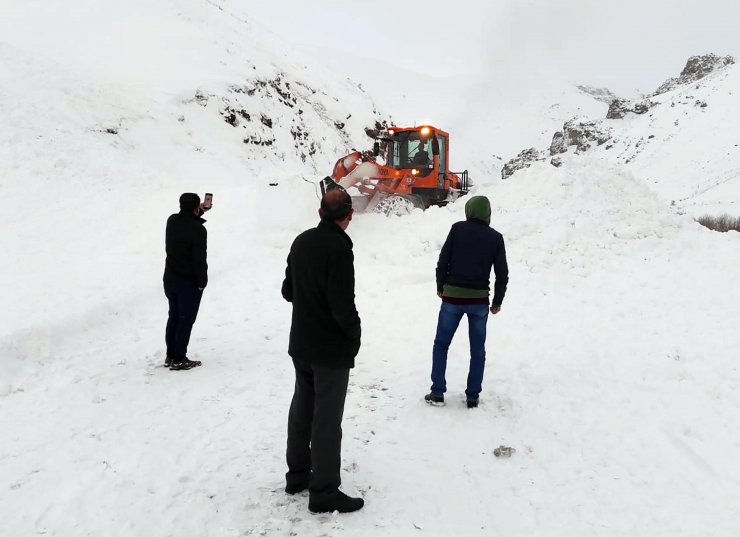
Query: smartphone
{"points": [[207, 201]]}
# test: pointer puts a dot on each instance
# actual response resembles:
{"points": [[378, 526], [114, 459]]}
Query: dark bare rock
{"points": [[621, 107], [581, 134], [697, 67], [523, 160]]}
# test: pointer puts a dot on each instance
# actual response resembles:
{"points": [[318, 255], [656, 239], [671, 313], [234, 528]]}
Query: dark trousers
{"points": [[184, 303], [314, 451]]}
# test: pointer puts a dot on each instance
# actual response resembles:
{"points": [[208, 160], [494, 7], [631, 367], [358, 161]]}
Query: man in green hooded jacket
{"points": [[472, 248]]}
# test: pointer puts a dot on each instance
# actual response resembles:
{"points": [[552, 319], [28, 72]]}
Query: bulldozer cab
{"points": [[416, 149]]}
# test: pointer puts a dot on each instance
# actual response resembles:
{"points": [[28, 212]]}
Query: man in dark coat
{"points": [[185, 277], [324, 340], [463, 273]]}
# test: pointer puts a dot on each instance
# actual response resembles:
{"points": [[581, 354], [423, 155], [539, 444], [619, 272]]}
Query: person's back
{"points": [[471, 250], [325, 324], [185, 248], [463, 275], [324, 340]]}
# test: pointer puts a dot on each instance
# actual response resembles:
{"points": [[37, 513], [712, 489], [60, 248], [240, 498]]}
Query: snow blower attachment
{"points": [[415, 172]]}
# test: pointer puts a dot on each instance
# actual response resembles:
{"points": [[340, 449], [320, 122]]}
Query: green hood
{"points": [[478, 207]]}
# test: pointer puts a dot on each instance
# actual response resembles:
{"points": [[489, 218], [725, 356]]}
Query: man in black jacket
{"points": [[463, 272], [324, 340], [185, 277]]}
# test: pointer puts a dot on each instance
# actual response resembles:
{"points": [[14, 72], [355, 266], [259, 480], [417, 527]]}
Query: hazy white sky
{"points": [[625, 45]]}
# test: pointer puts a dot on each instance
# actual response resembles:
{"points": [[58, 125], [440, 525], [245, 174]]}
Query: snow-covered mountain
{"points": [[612, 368], [683, 140], [489, 115], [103, 107]]}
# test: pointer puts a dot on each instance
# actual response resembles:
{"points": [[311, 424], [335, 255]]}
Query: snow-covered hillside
{"points": [[489, 116], [612, 368], [104, 127], [683, 140]]}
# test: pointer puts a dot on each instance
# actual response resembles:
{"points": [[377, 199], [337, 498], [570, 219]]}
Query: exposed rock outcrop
{"points": [[696, 68], [374, 132], [283, 115], [585, 135], [621, 107], [523, 160], [581, 134]]}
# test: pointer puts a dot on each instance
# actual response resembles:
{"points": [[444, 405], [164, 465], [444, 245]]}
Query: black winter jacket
{"points": [[186, 244], [320, 282], [471, 249]]}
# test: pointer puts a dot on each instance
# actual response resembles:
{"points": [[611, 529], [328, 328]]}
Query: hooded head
{"points": [[478, 208]]}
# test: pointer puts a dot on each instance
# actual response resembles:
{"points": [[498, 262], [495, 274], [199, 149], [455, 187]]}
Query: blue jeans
{"points": [[449, 319]]}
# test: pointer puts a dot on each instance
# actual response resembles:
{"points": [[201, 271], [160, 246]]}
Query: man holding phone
{"points": [[185, 277]]}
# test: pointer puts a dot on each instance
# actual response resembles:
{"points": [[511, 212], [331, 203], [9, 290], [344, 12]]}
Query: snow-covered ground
{"points": [[612, 368]]}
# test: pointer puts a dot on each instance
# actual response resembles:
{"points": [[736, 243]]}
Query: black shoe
{"points": [[472, 403], [184, 364], [296, 482], [338, 501], [168, 361], [295, 488], [433, 399]]}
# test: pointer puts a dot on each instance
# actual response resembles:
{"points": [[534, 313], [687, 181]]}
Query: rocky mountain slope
{"points": [[683, 139]]}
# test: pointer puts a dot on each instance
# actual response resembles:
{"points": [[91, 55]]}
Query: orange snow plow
{"points": [[413, 172]]}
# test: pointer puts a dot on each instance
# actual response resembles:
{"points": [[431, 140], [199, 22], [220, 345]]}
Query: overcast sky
{"points": [[626, 46]]}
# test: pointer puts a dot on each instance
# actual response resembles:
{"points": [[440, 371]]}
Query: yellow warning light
{"points": [[414, 172], [425, 131], [391, 132]]}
